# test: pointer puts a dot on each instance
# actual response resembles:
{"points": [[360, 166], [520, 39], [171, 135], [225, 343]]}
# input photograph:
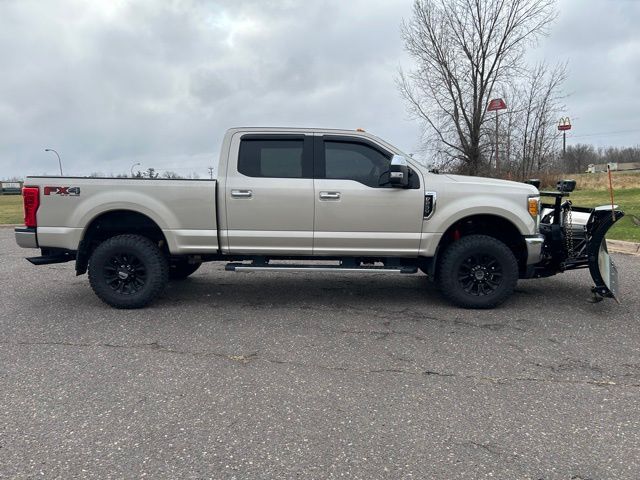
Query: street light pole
{"points": [[134, 165], [59, 161]]}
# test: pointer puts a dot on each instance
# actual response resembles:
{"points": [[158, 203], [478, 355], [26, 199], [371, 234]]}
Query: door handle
{"points": [[329, 195], [241, 193]]}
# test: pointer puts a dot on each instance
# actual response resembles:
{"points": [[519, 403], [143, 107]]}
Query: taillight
{"points": [[31, 202]]}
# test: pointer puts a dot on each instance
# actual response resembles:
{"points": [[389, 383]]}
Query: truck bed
{"points": [[185, 210]]}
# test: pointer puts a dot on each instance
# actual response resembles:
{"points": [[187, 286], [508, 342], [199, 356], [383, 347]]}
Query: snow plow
{"points": [[575, 238]]}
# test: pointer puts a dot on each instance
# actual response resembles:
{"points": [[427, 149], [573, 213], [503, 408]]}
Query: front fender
{"points": [[449, 213]]}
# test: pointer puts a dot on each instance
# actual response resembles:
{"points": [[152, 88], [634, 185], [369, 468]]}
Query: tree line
{"points": [[148, 173], [579, 157]]}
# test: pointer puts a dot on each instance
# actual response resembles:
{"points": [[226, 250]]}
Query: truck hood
{"points": [[485, 182]]}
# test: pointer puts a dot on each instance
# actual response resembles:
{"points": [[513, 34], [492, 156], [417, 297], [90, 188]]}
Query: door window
{"points": [[355, 161]]}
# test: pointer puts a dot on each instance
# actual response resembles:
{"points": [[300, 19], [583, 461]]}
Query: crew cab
{"points": [[285, 199]]}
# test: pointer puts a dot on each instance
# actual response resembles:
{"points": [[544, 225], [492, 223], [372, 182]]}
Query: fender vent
{"points": [[429, 204]]}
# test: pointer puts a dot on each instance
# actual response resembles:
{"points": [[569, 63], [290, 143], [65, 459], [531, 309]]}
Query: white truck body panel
{"points": [[238, 214]]}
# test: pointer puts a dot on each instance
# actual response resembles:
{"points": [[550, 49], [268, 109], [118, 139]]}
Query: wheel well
{"points": [[491, 225], [112, 223]]}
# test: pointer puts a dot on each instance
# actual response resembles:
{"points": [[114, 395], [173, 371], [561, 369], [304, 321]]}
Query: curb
{"points": [[620, 246], [10, 225]]}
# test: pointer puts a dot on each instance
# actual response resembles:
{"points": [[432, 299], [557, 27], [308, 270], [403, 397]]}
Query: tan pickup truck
{"points": [[284, 197]]}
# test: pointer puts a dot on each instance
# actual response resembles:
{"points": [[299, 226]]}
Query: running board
{"points": [[54, 258], [249, 267]]}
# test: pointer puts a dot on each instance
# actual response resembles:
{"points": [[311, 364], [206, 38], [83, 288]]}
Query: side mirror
{"points": [[399, 172]]}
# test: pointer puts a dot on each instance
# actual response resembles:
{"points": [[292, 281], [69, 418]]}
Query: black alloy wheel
{"points": [[477, 271], [128, 271], [480, 274], [125, 273]]}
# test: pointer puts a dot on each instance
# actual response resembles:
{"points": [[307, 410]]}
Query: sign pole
{"points": [[495, 105], [564, 126], [497, 159]]}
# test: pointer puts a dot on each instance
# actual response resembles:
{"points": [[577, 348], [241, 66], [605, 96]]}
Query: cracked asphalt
{"points": [[261, 375]]}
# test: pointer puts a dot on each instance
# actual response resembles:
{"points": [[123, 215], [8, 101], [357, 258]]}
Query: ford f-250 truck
{"points": [[346, 198]]}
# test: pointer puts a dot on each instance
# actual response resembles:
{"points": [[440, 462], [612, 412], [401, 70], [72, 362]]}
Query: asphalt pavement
{"points": [[313, 376]]}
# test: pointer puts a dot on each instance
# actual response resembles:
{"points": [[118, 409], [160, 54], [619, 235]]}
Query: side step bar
{"points": [[265, 267], [52, 258]]}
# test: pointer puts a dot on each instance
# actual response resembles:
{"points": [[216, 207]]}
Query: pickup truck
{"points": [[314, 200]]}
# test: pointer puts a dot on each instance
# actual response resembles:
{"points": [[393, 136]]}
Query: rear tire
{"points": [[128, 271], [181, 269], [477, 271]]}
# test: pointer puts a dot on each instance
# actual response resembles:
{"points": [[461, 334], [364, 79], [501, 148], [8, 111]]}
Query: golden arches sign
{"points": [[564, 124]]}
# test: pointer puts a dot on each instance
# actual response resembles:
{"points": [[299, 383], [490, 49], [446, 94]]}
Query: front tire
{"points": [[128, 271], [477, 271]]}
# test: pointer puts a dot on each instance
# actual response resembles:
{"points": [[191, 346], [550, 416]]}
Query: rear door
{"points": [[354, 213], [269, 195]]}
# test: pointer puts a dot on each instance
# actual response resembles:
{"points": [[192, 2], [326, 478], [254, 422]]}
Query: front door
{"points": [[356, 212], [269, 195]]}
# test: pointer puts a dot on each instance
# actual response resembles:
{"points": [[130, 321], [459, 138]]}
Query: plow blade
{"points": [[601, 266]]}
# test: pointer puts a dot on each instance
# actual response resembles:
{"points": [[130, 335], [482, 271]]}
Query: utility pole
{"points": [[210, 172]]}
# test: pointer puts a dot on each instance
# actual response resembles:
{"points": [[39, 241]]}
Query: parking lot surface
{"points": [[261, 375]]}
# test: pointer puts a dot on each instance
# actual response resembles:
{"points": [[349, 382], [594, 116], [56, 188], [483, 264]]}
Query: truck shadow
{"points": [[258, 290], [248, 289]]}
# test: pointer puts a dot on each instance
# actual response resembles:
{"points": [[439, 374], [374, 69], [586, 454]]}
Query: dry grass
{"points": [[594, 181], [600, 181]]}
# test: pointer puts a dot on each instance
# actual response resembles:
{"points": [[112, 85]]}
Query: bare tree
{"points": [[466, 50], [530, 123], [578, 158]]}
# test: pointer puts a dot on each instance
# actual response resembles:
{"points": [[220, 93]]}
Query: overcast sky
{"points": [[112, 83]]}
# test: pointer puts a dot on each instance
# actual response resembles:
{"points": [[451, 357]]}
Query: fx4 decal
{"points": [[63, 191]]}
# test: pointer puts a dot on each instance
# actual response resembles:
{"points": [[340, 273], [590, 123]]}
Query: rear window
{"points": [[271, 158]]}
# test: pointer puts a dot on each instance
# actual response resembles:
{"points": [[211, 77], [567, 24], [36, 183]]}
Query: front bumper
{"points": [[26, 237], [534, 248]]}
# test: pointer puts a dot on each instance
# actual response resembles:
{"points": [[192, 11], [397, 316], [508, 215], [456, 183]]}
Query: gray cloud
{"points": [[110, 83], [600, 40], [113, 83]]}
